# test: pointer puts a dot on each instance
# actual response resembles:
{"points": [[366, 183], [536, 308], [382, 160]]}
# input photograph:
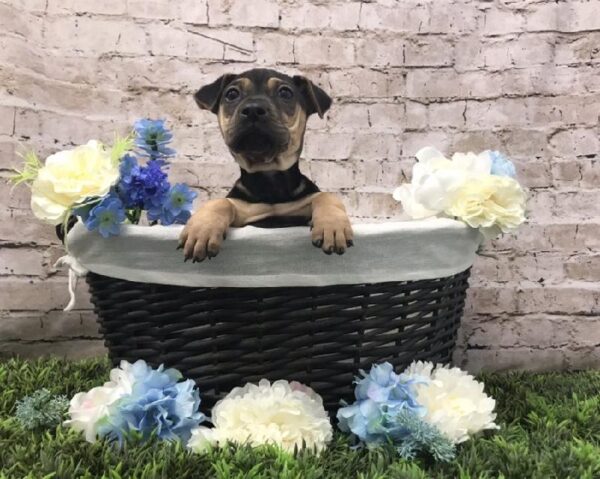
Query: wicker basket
{"points": [[223, 337]]}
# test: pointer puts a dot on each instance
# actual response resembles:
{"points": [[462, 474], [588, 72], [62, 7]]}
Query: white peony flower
{"points": [[456, 403], [285, 414], [87, 409], [69, 177], [203, 438]]}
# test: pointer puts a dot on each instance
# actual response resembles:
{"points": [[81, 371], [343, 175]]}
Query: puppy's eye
{"points": [[232, 94], [286, 93]]}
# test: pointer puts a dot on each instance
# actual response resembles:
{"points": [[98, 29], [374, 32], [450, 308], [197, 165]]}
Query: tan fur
{"points": [[207, 228]]}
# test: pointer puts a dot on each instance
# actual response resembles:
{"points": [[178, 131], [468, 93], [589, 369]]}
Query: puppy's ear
{"points": [[209, 96], [316, 100]]}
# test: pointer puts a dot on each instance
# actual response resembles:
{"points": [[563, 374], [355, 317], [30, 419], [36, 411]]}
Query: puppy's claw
{"points": [[180, 246], [350, 243], [328, 251], [318, 243], [340, 251]]}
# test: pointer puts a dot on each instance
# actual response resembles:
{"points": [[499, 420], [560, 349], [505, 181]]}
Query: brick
{"points": [[330, 146], [51, 326], [583, 49], [565, 17], [445, 83], [324, 51], [434, 51], [582, 173], [575, 142], [103, 7], [585, 268], [386, 116], [21, 261], [529, 359], [388, 54], [365, 83], [23, 24], [500, 22], [496, 113], [350, 116], [403, 17], [376, 146], [80, 35], [259, 13], [273, 48], [332, 174], [34, 295], [447, 114]]}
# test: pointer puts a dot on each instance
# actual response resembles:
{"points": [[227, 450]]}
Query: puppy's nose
{"points": [[253, 111]]}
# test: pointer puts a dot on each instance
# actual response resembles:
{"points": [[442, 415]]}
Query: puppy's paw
{"points": [[202, 236], [332, 232]]}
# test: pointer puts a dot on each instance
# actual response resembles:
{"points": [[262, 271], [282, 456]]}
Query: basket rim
{"points": [[257, 257]]}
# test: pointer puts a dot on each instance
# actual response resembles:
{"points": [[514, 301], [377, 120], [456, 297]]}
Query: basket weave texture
{"points": [[320, 336]]}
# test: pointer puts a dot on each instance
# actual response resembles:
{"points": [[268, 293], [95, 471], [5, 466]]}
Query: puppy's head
{"points": [[262, 115]]}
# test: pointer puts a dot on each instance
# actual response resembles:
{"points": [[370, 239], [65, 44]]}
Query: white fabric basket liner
{"points": [[255, 257]]}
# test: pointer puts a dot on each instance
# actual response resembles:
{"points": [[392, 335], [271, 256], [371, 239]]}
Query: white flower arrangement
{"points": [[453, 400], [289, 415], [478, 189]]}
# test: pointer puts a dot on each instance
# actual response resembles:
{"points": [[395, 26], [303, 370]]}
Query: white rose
{"points": [[69, 177], [87, 409]]}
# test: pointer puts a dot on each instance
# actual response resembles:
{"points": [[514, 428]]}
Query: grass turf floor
{"points": [[550, 429]]}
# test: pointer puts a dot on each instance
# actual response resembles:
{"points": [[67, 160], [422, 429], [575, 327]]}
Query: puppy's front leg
{"points": [[331, 229], [206, 229]]}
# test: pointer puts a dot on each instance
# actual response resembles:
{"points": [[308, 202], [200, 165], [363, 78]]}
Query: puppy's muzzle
{"points": [[253, 112]]}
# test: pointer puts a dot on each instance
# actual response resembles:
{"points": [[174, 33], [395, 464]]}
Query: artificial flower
{"points": [[152, 138], [175, 207], [380, 395], [138, 399], [454, 401], [41, 409], [281, 414], [70, 177], [88, 409], [156, 403], [476, 189], [494, 204], [106, 216], [143, 187], [501, 166]]}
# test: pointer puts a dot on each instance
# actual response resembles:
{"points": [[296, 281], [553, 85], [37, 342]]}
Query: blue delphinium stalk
{"points": [[157, 404], [386, 410], [143, 187], [106, 216], [501, 166], [176, 207], [152, 138]]}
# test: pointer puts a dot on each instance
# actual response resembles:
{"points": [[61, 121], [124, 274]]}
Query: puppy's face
{"points": [[262, 115]]}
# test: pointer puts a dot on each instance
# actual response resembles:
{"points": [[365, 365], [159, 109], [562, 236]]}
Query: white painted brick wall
{"points": [[520, 76]]}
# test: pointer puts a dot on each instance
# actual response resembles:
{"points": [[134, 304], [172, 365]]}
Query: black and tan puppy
{"points": [[262, 115]]}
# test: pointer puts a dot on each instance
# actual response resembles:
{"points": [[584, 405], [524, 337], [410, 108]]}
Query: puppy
{"points": [[262, 116]]}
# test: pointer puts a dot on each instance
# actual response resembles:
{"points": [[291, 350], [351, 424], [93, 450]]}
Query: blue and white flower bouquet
{"points": [[107, 186], [480, 190], [137, 400]]}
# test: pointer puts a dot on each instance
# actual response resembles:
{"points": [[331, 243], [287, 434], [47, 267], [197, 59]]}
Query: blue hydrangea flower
{"points": [[380, 395], [501, 166], [128, 169], [157, 404], [152, 138], [106, 216]]}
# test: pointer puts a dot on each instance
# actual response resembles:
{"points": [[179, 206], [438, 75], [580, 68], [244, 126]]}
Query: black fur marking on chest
{"points": [[273, 187]]}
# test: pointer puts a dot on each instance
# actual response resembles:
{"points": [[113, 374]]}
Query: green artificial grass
{"points": [[550, 429]]}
